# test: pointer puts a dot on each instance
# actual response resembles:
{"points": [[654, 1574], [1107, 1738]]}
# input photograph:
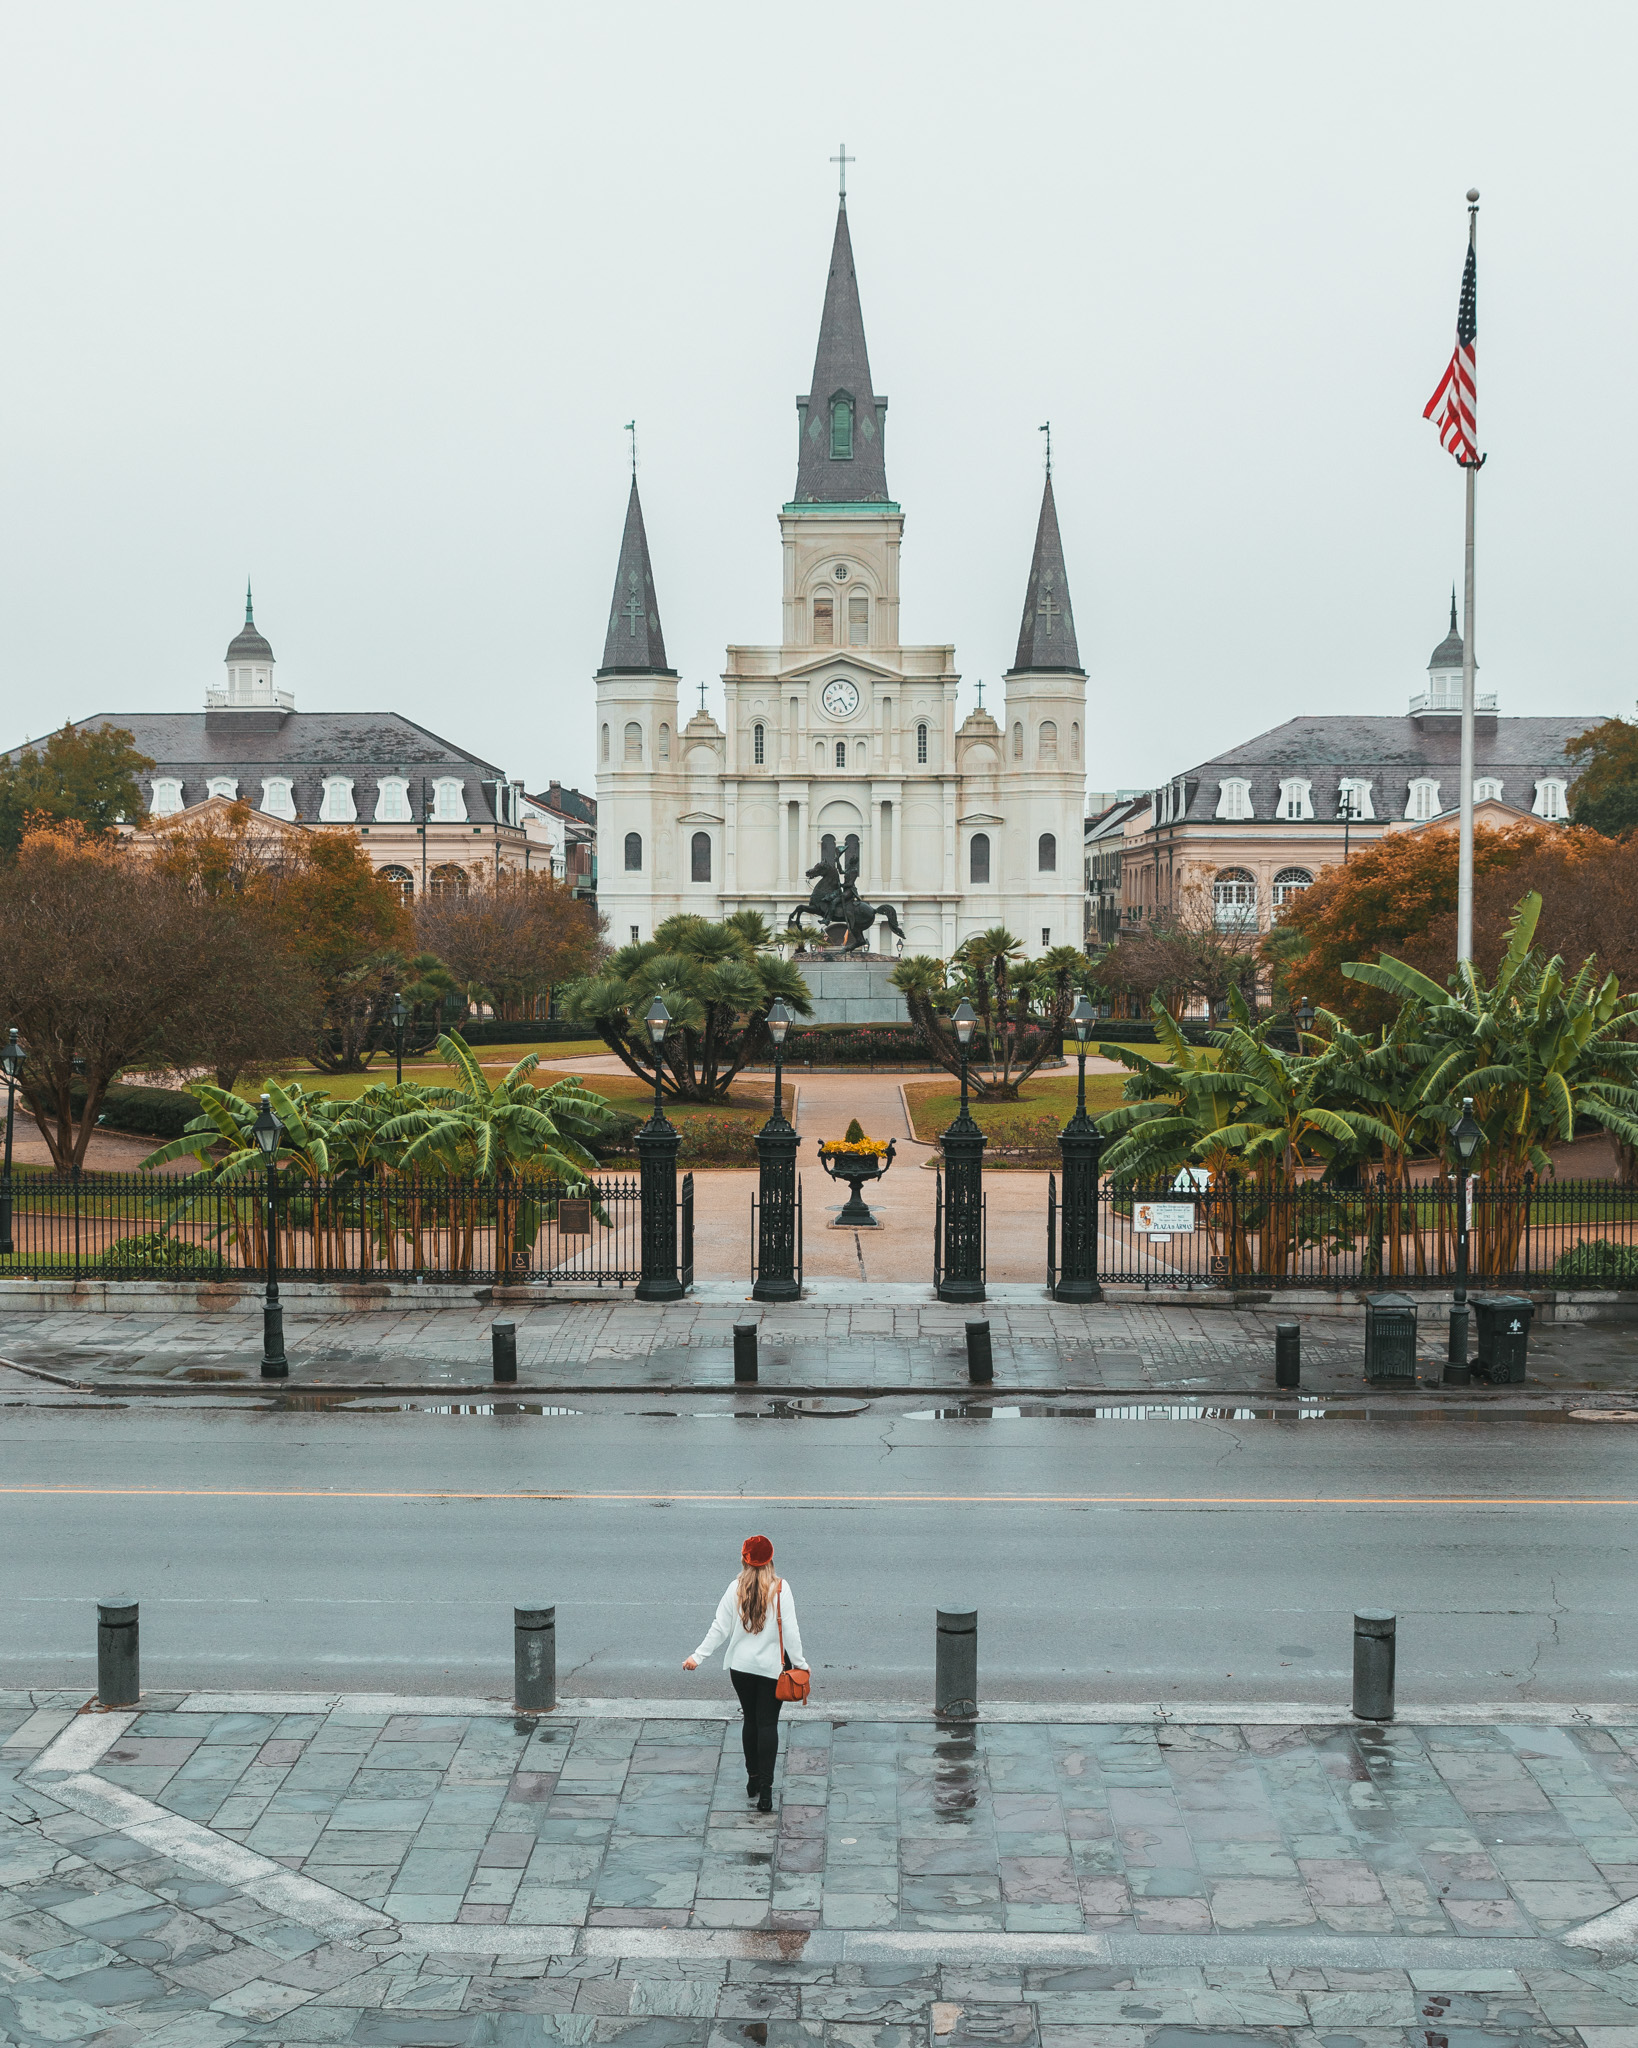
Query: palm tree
{"points": [[1022, 1005]]}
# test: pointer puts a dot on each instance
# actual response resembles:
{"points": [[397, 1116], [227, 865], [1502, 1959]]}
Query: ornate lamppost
{"points": [[1305, 1020], [657, 1144], [777, 1278], [400, 1016], [961, 1276], [1081, 1145], [267, 1130], [11, 1059], [1466, 1134]]}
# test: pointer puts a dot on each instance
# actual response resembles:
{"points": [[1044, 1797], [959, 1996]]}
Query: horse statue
{"points": [[836, 900]]}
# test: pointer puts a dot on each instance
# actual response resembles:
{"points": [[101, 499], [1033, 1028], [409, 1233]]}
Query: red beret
{"points": [[757, 1551]]}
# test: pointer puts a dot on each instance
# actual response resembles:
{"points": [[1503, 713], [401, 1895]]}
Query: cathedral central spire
{"points": [[840, 461]]}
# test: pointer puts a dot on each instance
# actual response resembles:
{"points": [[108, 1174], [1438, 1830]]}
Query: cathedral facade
{"points": [[841, 741]]}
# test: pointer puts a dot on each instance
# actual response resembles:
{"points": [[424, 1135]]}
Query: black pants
{"points": [[761, 1708]]}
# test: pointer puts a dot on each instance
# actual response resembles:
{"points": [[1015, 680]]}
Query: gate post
{"points": [[960, 1267], [1081, 1145], [777, 1277], [657, 1144]]}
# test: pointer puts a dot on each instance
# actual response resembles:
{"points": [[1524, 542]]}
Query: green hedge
{"points": [[526, 1031], [143, 1112], [1599, 1264]]}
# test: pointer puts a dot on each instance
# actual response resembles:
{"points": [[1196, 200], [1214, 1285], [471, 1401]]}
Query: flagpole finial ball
{"points": [[1472, 195]]}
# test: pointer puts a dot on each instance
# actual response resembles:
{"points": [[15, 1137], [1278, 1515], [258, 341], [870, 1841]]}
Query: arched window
{"points": [[1046, 854], [1018, 743], [605, 743], [841, 428], [978, 857], [827, 846], [448, 798], [841, 753], [850, 854], [278, 797], [824, 620], [858, 620], [336, 808], [222, 785], [758, 745], [167, 797], [1233, 798], [665, 743], [1423, 800], [1234, 901], [634, 741], [447, 880], [1296, 798], [402, 880], [1046, 746], [699, 857], [1549, 801], [921, 743], [392, 798], [1075, 741], [634, 853], [1487, 790], [1289, 884]]}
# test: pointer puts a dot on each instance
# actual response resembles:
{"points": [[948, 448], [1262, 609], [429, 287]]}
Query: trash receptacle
{"points": [[1390, 1339], [1504, 1337]]}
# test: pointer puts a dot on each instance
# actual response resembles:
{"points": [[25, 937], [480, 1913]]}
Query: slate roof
{"points": [[635, 645], [841, 363], [1389, 752], [303, 746], [1046, 634]]}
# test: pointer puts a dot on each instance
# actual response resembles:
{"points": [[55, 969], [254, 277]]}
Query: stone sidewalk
{"points": [[211, 1871], [873, 1347]]}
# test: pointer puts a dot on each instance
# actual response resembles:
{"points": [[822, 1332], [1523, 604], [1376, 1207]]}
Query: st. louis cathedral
{"points": [[840, 741]]}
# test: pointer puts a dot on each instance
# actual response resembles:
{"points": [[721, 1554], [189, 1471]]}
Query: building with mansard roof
{"points": [[840, 737]]}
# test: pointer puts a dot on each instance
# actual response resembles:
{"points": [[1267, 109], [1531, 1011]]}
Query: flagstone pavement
{"points": [[199, 1873]]}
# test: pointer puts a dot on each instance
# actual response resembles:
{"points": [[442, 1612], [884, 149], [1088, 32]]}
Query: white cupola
{"points": [[249, 662]]}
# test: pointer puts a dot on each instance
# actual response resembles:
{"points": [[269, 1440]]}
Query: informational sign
{"points": [[1162, 1218]]}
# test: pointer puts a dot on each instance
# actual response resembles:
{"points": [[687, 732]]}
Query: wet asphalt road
{"points": [[1110, 1558]]}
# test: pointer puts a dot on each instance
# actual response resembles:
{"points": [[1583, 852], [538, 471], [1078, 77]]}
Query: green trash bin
{"points": [[1504, 1337], [1390, 1339]]}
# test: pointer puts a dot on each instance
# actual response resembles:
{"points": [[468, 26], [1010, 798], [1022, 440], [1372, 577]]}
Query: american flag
{"points": [[1454, 405]]}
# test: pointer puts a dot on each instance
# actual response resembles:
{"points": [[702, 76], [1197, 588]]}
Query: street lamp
{"points": [[1081, 1145], [778, 1257], [11, 1058], [1305, 1019], [1466, 1135], [657, 1143], [961, 1253], [267, 1131], [400, 1015]]}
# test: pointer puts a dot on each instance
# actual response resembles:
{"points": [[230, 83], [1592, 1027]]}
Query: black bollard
{"points": [[534, 1658], [745, 1354], [1288, 1354], [955, 1671], [1373, 1664], [119, 1675], [980, 1359], [503, 1350]]}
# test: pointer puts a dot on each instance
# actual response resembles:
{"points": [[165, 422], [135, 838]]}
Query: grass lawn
{"points": [[933, 1105], [750, 1099]]}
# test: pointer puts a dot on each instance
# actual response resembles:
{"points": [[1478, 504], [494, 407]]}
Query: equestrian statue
{"points": [[836, 900]]}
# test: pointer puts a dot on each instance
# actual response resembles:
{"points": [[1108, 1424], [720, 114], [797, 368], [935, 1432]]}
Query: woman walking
{"points": [[756, 1618]]}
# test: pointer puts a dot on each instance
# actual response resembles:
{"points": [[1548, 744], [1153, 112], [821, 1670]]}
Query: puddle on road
{"points": [[1305, 1411]]}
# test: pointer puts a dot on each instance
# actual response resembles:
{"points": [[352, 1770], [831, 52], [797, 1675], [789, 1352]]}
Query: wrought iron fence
{"points": [[1398, 1234], [942, 1247], [789, 1229], [138, 1226]]}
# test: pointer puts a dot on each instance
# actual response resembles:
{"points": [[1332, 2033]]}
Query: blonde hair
{"points": [[756, 1584]]}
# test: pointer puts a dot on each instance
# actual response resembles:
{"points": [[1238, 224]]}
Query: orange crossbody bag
{"points": [[792, 1682]]}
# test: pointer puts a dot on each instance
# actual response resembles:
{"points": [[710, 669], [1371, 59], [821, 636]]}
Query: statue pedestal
{"points": [[853, 991]]}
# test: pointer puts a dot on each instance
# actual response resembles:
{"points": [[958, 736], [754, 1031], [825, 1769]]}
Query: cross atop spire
{"points": [[634, 644], [631, 429], [1046, 635], [1046, 429], [840, 459], [844, 160]]}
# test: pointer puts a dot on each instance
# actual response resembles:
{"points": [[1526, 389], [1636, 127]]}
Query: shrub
{"points": [[159, 1253], [145, 1112], [1599, 1264]]}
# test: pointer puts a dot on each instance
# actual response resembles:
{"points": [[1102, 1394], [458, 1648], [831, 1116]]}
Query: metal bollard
{"points": [[955, 1672], [980, 1359], [1373, 1664], [1288, 1354], [534, 1659], [1458, 1372], [745, 1354], [119, 1675], [503, 1350]]}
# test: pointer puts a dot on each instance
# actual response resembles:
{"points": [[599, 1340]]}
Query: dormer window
{"points": [[336, 804], [392, 799], [1296, 799], [841, 428], [1354, 798], [1423, 800], [222, 785], [167, 797], [448, 798], [1487, 790], [1549, 801], [277, 798], [1234, 799]]}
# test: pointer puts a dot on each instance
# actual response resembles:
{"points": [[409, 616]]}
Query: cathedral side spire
{"points": [[1046, 635], [841, 461], [635, 645]]}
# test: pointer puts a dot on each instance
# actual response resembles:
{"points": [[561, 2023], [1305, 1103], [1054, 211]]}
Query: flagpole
{"points": [[1464, 859]]}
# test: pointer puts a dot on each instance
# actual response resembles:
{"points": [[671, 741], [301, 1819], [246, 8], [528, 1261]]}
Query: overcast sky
{"points": [[356, 297]]}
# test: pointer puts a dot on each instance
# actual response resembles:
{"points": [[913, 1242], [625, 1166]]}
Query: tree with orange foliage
{"points": [[1381, 901]]}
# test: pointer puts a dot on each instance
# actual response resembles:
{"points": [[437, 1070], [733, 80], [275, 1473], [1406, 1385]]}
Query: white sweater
{"points": [[758, 1653]]}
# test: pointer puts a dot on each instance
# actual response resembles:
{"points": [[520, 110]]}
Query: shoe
{"points": [[752, 1787], [764, 1803]]}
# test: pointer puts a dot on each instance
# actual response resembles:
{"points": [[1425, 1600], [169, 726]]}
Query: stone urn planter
{"points": [[857, 1169]]}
